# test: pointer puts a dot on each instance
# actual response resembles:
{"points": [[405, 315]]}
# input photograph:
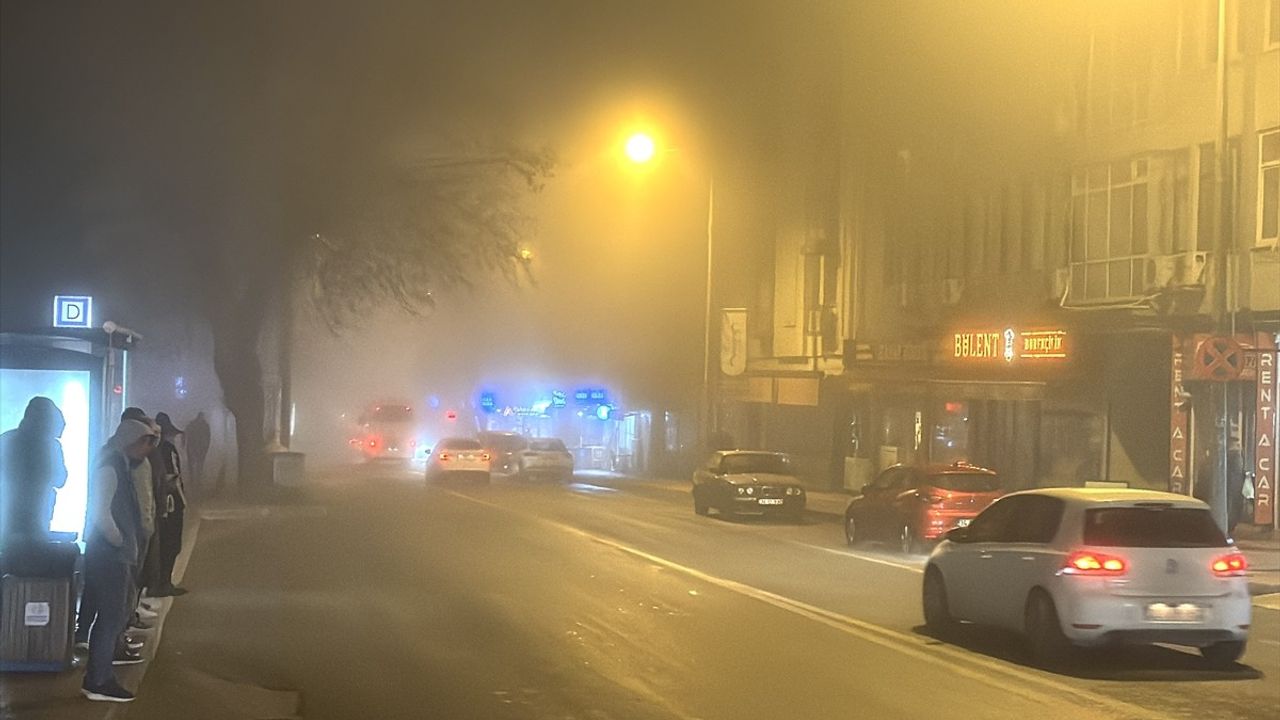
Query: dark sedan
{"points": [[747, 482]]}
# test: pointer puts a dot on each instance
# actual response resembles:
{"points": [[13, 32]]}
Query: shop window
{"points": [[949, 441], [1072, 447]]}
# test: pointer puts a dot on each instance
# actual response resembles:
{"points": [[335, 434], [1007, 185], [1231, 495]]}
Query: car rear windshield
{"points": [[1161, 526], [964, 482], [551, 445], [460, 444], [756, 463], [504, 442]]}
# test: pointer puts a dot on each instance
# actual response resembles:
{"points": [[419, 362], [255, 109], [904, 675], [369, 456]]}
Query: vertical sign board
{"points": [[1177, 422], [733, 341], [1264, 456]]}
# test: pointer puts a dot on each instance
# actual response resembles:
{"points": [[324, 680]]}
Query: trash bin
{"points": [[288, 469], [38, 582]]}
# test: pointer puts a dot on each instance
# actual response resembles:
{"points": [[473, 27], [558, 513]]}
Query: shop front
{"points": [[1014, 399], [1250, 390]]}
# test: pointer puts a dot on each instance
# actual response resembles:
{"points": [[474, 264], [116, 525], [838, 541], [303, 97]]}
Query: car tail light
{"points": [[1091, 563], [1231, 565], [444, 456], [373, 443], [484, 456]]}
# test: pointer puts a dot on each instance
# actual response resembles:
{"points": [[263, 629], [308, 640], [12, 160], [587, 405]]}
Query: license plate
{"points": [[963, 522], [1175, 612], [770, 501]]}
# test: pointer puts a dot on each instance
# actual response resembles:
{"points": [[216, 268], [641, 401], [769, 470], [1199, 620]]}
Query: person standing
{"points": [[145, 491], [32, 469], [197, 438], [171, 504], [113, 538]]}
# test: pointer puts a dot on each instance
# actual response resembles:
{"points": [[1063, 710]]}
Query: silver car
{"points": [[1087, 567]]}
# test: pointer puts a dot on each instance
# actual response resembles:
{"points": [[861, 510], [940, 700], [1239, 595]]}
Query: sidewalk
{"points": [[56, 696]]}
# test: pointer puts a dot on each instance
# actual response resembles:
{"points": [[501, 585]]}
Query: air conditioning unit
{"points": [[952, 290], [1181, 270]]}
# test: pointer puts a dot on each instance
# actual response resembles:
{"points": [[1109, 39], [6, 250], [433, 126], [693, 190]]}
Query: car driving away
{"points": [[1091, 566], [747, 482], [546, 458], [913, 507], [462, 458], [504, 449]]}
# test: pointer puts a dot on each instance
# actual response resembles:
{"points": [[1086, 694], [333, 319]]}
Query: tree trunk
{"points": [[235, 352]]}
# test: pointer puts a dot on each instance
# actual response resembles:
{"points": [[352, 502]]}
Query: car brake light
{"points": [[373, 443], [444, 456], [1230, 565], [1090, 563]]}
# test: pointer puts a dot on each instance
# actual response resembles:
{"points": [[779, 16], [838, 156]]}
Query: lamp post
{"points": [[641, 149]]}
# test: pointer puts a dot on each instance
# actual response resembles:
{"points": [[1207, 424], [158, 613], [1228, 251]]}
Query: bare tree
{"points": [[390, 234]]}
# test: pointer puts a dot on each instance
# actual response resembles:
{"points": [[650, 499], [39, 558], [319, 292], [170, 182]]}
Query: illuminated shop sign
{"points": [[1008, 345]]}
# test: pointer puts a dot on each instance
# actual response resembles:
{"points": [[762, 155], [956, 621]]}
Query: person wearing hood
{"points": [[32, 469], [171, 504], [114, 535]]}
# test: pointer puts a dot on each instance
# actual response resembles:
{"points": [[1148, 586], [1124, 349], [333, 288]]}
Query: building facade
{"points": [[1030, 290]]}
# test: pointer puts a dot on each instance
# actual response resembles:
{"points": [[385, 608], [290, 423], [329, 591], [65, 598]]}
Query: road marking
{"points": [[1053, 691], [860, 556]]}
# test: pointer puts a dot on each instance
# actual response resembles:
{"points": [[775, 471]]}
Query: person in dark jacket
{"points": [[171, 504], [113, 537], [197, 439], [32, 469]]}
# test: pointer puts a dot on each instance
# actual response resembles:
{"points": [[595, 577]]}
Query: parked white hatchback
{"points": [[1090, 566]]}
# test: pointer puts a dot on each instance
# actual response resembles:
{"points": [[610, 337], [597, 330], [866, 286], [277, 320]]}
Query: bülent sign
{"points": [[1009, 345], [72, 311]]}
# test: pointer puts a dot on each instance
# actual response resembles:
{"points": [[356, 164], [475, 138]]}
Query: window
{"points": [[1269, 188], [975, 232], [1205, 189], [1152, 526], [994, 523], [1119, 85], [756, 463], [969, 482], [1272, 40], [1037, 519], [1210, 38], [1110, 239], [549, 445]]}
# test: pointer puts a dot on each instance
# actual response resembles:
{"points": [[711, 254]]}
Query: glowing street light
{"points": [[641, 148]]}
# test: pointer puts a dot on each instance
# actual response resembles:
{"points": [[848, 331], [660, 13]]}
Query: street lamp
{"points": [[641, 149]]}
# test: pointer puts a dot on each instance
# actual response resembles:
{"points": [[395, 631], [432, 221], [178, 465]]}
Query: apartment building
{"points": [[1026, 287]]}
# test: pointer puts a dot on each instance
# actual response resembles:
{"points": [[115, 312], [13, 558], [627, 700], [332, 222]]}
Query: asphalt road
{"points": [[377, 597]]}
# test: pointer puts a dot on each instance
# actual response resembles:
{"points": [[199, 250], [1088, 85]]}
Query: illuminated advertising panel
{"points": [[69, 390]]}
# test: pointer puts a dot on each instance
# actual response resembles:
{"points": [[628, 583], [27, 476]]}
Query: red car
{"points": [[914, 506]]}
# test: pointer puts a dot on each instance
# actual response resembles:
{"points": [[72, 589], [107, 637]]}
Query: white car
{"points": [[546, 457], [459, 457], [1087, 567]]}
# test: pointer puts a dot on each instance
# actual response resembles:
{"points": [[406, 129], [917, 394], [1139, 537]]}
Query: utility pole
{"points": [[708, 404], [1223, 224]]}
